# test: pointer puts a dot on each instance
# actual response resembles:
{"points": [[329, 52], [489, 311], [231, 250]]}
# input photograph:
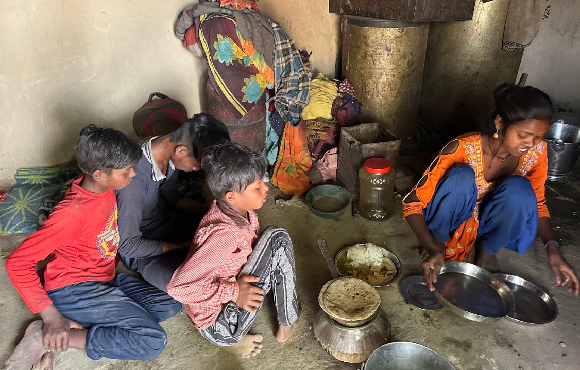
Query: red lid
{"points": [[377, 165]]}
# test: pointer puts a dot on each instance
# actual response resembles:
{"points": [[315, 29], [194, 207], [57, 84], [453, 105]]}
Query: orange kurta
{"points": [[533, 165]]}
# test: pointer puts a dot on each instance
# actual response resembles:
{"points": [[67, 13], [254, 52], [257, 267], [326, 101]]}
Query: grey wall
{"points": [[552, 61]]}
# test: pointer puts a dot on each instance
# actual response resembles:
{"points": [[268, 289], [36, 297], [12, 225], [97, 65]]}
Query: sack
{"points": [[159, 117]]}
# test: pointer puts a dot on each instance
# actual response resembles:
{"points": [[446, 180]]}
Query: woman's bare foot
{"points": [[29, 350], [249, 346], [285, 332], [46, 362], [485, 260]]}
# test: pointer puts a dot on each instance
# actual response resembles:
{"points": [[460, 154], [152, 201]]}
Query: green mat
{"points": [[31, 200]]}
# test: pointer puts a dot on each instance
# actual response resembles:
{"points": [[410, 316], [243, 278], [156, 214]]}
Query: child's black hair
{"points": [[105, 149], [515, 104], [199, 132], [231, 167]]}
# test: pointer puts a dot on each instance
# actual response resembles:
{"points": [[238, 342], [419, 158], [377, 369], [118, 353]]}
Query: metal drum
{"points": [[383, 60], [250, 130], [563, 150]]}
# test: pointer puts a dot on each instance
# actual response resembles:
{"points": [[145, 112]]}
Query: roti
{"points": [[349, 299]]}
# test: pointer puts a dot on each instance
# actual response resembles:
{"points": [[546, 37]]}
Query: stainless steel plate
{"points": [[472, 292], [390, 255], [415, 292], [532, 305], [406, 356]]}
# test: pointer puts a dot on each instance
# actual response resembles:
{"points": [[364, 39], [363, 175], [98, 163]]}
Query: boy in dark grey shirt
{"points": [[156, 223]]}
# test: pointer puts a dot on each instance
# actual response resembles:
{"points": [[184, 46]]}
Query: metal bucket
{"points": [[249, 130], [563, 150]]}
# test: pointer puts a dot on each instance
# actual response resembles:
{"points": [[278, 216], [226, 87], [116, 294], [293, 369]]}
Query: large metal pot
{"points": [[563, 150]]}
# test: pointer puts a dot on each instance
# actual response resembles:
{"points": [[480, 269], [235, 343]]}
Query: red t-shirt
{"points": [[82, 236]]}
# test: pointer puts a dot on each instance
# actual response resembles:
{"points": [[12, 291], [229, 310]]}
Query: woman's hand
{"points": [[430, 268], [563, 272]]}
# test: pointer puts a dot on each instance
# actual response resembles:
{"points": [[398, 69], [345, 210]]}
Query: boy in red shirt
{"points": [[229, 269], [82, 303]]}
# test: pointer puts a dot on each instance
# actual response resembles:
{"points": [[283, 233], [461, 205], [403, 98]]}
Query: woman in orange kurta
{"points": [[490, 188]]}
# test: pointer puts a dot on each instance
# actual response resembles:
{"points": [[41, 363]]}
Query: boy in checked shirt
{"points": [[230, 268]]}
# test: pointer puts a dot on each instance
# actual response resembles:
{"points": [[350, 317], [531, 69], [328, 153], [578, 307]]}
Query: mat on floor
{"points": [[36, 192]]}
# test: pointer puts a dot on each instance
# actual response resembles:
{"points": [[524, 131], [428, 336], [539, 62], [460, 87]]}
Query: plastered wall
{"points": [[552, 61], [65, 64]]}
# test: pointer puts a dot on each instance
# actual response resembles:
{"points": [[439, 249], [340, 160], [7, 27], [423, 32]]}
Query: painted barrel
{"points": [[250, 130]]}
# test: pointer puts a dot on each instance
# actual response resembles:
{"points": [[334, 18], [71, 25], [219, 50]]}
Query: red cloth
{"points": [[207, 278], [81, 235]]}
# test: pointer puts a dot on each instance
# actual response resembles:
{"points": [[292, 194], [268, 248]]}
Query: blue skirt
{"points": [[508, 215]]}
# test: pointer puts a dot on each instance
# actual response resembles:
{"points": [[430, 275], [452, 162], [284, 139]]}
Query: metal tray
{"points": [[390, 255], [532, 304], [472, 292], [415, 292]]}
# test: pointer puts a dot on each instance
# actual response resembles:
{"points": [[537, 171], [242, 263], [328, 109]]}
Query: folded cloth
{"points": [[322, 135], [346, 87], [345, 110], [240, 4], [322, 93], [190, 42], [327, 164], [237, 71], [253, 26], [292, 78], [293, 162], [523, 22]]}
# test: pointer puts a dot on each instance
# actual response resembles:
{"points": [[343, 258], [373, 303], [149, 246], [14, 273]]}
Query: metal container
{"points": [[472, 292], [351, 344], [563, 150], [533, 305], [250, 130], [383, 60], [406, 356], [390, 255]]}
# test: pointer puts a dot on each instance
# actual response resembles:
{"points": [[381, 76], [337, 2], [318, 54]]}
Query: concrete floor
{"points": [[467, 345]]}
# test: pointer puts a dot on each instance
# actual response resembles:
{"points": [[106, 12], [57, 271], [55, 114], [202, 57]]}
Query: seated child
{"points": [[156, 222], [229, 269], [82, 303]]}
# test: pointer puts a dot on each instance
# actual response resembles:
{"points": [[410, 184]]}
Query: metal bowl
{"points": [[406, 356], [532, 304], [328, 201], [390, 255], [349, 344], [472, 292]]}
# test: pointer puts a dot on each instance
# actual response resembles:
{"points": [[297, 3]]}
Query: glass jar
{"points": [[377, 189]]}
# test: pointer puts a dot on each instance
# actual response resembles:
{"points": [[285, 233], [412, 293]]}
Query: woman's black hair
{"points": [[515, 104]]}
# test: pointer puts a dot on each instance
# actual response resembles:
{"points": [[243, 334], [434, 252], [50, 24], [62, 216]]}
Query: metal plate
{"points": [[415, 292], [406, 356], [532, 305], [390, 255], [472, 292]]}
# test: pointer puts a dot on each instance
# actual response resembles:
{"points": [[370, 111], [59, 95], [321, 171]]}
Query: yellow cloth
{"points": [[322, 94]]}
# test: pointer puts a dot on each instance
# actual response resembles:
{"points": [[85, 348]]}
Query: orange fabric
{"points": [[533, 165], [293, 161]]}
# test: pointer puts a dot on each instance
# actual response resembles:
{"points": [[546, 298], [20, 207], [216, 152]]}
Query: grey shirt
{"points": [[144, 205]]}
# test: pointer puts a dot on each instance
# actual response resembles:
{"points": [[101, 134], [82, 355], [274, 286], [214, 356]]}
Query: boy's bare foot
{"points": [[29, 350], [285, 331], [249, 346], [46, 362], [485, 260]]}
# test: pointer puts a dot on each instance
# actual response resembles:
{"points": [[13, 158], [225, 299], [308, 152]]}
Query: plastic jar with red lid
{"points": [[377, 189]]}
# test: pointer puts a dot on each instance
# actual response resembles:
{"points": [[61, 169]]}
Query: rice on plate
{"points": [[367, 262]]}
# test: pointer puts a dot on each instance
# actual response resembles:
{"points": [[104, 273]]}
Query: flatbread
{"points": [[349, 299]]}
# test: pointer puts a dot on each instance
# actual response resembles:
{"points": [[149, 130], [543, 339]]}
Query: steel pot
{"points": [[563, 149]]}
